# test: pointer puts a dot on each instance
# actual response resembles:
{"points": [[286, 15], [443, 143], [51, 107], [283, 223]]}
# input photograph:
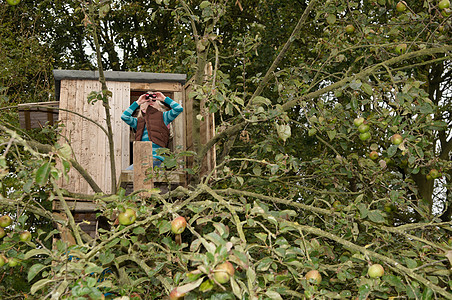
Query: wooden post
{"points": [[142, 166]]}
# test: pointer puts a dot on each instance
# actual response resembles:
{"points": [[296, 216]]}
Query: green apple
{"points": [[375, 271], [401, 48], [443, 4], [434, 173], [5, 221], [178, 225], [3, 260], [314, 276], [396, 139], [2, 232], [363, 128], [176, 295], [358, 121], [13, 2], [373, 155], [364, 136], [400, 7], [25, 236], [349, 28], [127, 217], [12, 262]]}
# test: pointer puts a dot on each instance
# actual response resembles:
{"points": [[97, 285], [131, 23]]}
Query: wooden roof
{"points": [[123, 76]]}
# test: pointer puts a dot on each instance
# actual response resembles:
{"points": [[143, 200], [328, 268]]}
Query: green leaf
{"points": [[376, 216], [284, 131], [331, 134], [367, 88], [331, 19], [274, 295], [35, 270], [35, 252], [394, 281], [190, 286], [39, 285], [139, 230], [204, 4], [42, 174]]}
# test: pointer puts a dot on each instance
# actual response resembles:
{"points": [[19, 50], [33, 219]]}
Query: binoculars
{"points": [[153, 96]]}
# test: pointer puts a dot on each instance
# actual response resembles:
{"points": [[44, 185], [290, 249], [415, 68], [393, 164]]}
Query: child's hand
{"points": [[159, 96], [142, 99]]}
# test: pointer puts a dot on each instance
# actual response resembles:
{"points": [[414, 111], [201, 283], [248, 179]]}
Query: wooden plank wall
{"points": [[89, 143]]}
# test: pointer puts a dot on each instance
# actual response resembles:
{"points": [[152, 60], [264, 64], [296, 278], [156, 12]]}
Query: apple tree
{"points": [[333, 170]]}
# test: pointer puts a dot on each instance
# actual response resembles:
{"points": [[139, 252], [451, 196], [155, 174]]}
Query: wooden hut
{"points": [[80, 122]]}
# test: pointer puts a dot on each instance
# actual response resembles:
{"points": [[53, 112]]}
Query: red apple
{"points": [[314, 276], [127, 217], [176, 295], [396, 139], [178, 225], [375, 270], [5, 221], [25, 236]]}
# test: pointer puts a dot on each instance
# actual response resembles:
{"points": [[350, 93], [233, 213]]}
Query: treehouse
{"points": [[83, 127]]}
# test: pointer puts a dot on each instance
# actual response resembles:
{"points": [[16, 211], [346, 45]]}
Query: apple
{"points": [[12, 262], [337, 205], [127, 217], [178, 225], [364, 136], [358, 121], [375, 270], [400, 48], [3, 260], [396, 139], [363, 128], [313, 276], [13, 2], [443, 4], [401, 7], [434, 173], [2, 232], [373, 155], [25, 236], [349, 28], [223, 272], [5, 221], [176, 295]]}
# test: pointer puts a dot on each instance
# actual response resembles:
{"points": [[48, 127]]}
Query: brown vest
{"points": [[157, 130]]}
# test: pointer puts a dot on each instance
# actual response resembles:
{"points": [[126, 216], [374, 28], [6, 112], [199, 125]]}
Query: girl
{"points": [[152, 123]]}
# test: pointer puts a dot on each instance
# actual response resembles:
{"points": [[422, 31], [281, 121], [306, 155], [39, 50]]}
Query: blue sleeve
{"points": [[176, 109], [127, 115]]}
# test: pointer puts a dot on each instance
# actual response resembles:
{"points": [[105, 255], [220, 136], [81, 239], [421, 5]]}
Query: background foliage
{"points": [[295, 187]]}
